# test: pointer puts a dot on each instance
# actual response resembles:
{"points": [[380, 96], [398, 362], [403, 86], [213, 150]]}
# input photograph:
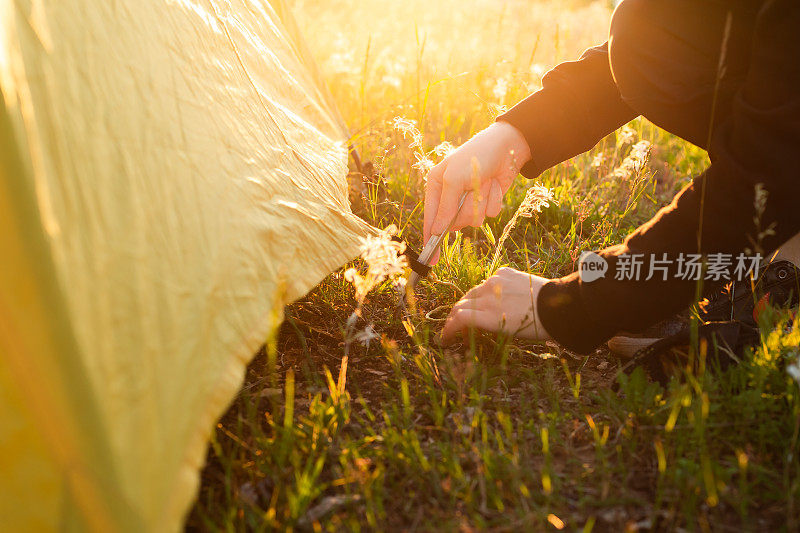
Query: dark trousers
{"points": [[723, 74], [665, 59]]}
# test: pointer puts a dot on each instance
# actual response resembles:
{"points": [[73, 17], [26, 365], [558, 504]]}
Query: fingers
{"points": [[433, 192], [473, 310], [467, 214], [435, 257], [495, 201], [505, 301], [474, 210], [451, 190], [443, 191], [460, 320], [441, 198], [508, 272], [479, 291], [466, 303]]}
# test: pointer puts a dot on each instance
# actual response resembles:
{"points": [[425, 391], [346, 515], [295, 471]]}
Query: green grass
{"points": [[493, 434]]}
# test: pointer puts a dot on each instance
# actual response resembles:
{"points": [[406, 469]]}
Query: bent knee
{"points": [[664, 50], [629, 13], [631, 48]]}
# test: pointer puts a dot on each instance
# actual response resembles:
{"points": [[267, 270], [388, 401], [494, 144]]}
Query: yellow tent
{"points": [[171, 175]]}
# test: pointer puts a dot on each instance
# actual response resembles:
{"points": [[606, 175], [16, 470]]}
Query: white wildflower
{"points": [[537, 197], [353, 318], [383, 255], [626, 169], [366, 336], [384, 261], [641, 150], [626, 135], [500, 89], [598, 160], [632, 164], [443, 149], [406, 126], [423, 164]]}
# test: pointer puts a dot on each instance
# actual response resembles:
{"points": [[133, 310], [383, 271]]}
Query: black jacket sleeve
{"points": [[577, 106], [757, 143]]}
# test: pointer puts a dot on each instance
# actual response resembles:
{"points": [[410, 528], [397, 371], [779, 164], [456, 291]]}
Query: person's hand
{"points": [[485, 165], [504, 302]]}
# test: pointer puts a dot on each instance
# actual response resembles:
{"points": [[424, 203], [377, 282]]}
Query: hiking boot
{"points": [[728, 318], [778, 285]]}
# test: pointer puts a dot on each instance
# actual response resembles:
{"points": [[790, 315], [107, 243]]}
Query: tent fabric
{"points": [[171, 174]]}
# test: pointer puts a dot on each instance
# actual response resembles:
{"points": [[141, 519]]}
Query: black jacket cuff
{"points": [[564, 317]]}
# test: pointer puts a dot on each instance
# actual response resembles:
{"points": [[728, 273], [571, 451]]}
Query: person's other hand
{"points": [[504, 302], [485, 166]]}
